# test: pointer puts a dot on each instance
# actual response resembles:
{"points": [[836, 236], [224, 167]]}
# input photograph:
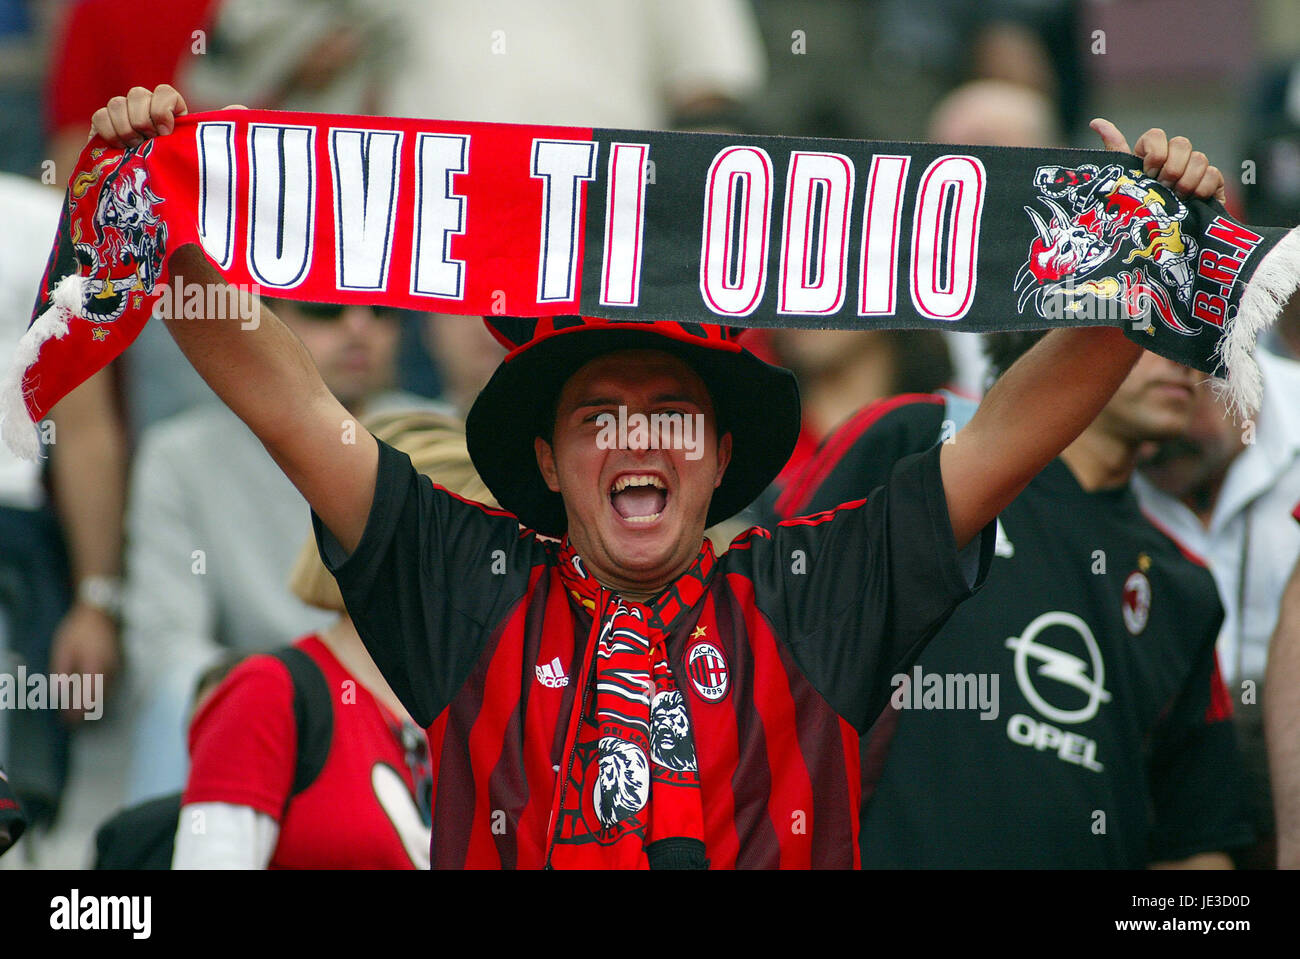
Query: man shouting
{"points": [[548, 646]]}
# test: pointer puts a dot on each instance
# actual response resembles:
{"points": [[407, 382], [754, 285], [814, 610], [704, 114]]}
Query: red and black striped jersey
{"points": [[783, 660], [1072, 714]]}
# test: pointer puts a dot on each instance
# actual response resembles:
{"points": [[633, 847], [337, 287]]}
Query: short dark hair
{"points": [[1003, 349], [922, 360]]}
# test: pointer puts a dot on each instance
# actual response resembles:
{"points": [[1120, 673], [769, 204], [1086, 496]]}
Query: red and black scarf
{"points": [[502, 219], [628, 796]]}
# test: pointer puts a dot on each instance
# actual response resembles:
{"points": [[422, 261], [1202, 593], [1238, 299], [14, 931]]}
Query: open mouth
{"points": [[638, 497]]}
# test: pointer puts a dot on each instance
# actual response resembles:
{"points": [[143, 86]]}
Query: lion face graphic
{"points": [[671, 745], [622, 781]]}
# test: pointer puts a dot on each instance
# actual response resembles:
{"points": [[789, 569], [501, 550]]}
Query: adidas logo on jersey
{"points": [[552, 674]]}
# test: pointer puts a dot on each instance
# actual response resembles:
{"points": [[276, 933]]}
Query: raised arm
{"points": [[258, 367], [1050, 395]]}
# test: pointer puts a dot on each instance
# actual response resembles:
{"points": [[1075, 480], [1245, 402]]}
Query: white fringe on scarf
{"points": [[16, 426], [1271, 285]]}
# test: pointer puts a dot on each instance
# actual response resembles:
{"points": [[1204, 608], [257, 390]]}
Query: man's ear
{"points": [[546, 463], [724, 458]]}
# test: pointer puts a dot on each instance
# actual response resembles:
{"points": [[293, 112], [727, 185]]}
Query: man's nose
{"points": [[359, 319]]}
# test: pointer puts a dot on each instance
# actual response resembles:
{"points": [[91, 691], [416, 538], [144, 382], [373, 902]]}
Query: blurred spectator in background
{"points": [[465, 354], [143, 836], [1278, 29], [995, 113], [213, 528], [322, 56], [841, 371], [1283, 338], [88, 465], [60, 555], [23, 28], [989, 113], [1226, 491], [373, 759], [611, 63], [97, 54], [1282, 716], [874, 69], [1271, 179], [34, 579], [960, 774]]}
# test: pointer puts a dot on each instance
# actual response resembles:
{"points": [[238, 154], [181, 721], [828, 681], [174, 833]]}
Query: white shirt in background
{"points": [[604, 63], [30, 213], [1252, 541]]}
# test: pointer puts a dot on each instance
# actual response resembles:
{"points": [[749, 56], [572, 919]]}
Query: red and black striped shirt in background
{"points": [[783, 660]]}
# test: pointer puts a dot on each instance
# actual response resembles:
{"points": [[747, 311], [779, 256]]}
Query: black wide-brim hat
{"points": [[756, 402]]}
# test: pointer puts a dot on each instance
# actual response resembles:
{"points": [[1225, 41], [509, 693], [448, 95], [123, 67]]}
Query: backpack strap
{"points": [[313, 714]]}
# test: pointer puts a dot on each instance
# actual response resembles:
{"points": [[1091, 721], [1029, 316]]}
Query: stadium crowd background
{"points": [[1013, 72]]}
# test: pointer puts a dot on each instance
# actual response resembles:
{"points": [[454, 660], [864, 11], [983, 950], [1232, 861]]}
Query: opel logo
{"points": [[1060, 666]]}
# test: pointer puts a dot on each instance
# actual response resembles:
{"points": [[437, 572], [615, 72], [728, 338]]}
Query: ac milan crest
{"points": [[708, 672], [1136, 605]]}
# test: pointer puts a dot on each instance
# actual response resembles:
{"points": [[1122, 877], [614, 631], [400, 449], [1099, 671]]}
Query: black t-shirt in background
{"points": [[1111, 745]]}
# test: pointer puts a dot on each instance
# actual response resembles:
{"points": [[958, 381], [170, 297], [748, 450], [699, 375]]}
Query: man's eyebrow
{"points": [[595, 401], [655, 400]]}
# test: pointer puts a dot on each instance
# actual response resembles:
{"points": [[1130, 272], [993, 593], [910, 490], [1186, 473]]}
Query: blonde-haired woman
{"points": [[294, 770]]}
